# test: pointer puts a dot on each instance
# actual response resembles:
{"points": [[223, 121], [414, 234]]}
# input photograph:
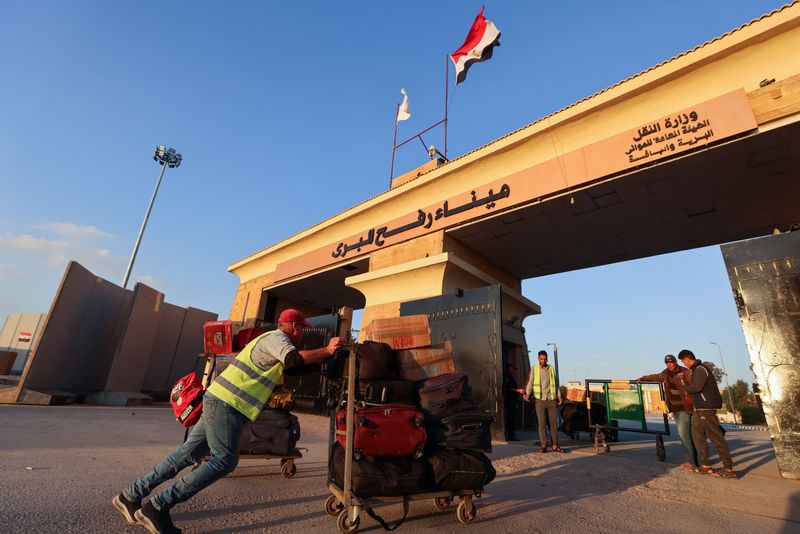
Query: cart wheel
{"points": [[333, 506], [442, 503], [465, 512], [344, 524], [607, 448], [283, 462], [288, 469]]}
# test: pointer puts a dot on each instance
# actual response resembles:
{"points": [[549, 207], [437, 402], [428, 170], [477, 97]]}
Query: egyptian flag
{"points": [[481, 39]]}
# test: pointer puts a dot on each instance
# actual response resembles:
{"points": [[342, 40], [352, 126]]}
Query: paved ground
{"points": [[60, 466]]}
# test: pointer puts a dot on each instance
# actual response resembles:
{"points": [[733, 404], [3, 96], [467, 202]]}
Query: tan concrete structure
{"points": [[699, 150]]}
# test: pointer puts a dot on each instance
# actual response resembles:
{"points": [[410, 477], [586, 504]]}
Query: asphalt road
{"points": [[60, 467]]}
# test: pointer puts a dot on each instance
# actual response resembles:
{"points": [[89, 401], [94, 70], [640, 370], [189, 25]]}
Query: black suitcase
{"points": [[470, 429], [380, 475], [460, 470], [446, 394], [273, 432], [376, 361], [388, 392]]}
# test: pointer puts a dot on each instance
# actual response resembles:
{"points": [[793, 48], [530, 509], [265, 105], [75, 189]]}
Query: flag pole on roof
{"points": [[403, 112], [481, 39]]}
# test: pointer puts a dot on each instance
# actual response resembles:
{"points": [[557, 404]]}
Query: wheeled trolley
{"points": [[288, 467], [625, 402], [347, 507], [348, 518]]}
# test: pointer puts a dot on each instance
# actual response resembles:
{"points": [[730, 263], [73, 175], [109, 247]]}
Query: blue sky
{"points": [[284, 115]]}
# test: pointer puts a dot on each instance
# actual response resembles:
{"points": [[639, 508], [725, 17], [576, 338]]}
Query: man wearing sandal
{"points": [[542, 383], [679, 403], [705, 423]]}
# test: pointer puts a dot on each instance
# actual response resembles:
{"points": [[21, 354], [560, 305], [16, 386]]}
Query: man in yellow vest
{"points": [[547, 397], [237, 396]]}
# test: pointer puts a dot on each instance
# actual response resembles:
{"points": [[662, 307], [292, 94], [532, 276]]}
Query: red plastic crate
{"points": [[245, 336], [217, 337]]}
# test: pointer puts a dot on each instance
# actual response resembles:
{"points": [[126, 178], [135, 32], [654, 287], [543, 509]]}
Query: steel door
{"points": [[765, 278], [471, 319]]}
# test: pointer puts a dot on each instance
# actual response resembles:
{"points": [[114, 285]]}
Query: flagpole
{"points": [[446, 88], [394, 145]]}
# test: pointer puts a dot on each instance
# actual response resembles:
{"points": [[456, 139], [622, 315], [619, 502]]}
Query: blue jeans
{"points": [[217, 431], [683, 421]]}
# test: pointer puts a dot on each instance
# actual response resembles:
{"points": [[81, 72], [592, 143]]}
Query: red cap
{"points": [[293, 316]]}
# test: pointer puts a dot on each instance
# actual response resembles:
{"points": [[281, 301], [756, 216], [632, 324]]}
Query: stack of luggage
{"points": [[416, 427]]}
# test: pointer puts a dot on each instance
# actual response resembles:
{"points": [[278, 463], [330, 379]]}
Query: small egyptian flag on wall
{"points": [[481, 39]]}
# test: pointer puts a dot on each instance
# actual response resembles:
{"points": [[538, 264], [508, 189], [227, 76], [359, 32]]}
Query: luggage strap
{"points": [[379, 519]]}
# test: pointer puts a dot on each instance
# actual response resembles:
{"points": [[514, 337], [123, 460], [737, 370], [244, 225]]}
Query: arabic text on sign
{"points": [[377, 236]]}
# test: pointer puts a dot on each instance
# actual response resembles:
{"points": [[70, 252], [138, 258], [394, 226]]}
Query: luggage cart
{"points": [[347, 507], [613, 417], [287, 461]]}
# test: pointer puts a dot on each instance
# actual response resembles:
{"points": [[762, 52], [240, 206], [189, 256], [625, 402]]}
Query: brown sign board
{"points": [[654, 140]]}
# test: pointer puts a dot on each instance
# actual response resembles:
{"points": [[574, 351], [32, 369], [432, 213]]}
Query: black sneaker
{"points": [[155, 521], [126, 507]]}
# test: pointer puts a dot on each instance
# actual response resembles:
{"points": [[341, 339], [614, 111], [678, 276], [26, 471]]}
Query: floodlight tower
{"points": [[167, 157]]}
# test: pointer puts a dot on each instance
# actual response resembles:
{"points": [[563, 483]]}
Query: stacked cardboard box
{"points": [[426, 362], [400, 332], [576, 395]]}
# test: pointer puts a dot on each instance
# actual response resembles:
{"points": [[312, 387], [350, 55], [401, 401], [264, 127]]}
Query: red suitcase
{"points": [[388, 430]]}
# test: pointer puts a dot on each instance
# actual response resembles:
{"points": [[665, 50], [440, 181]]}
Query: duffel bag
{"points": [[470, 429], [186, 399], [273, 432], [282, 398], [381, 476], [456, 470], [376, 361], [446, 394], [388, 392], [387, 430]]}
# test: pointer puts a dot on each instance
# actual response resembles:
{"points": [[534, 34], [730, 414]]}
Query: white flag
{"points": [[404, 111]]}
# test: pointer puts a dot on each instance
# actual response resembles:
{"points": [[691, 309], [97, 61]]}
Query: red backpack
{"points": [[187, 399]]}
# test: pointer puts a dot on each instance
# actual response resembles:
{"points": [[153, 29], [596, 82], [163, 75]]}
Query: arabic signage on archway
{"points": [[699, 126]]}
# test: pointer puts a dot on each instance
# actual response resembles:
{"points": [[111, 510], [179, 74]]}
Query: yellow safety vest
{"points": [[537, 385], [244, 385]]}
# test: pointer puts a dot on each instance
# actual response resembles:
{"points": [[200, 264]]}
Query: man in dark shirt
{"points": [[511, 395], [679, 403], [705, 423]]}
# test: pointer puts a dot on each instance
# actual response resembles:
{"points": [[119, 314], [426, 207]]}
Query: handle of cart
{"points": [[624, 401]]}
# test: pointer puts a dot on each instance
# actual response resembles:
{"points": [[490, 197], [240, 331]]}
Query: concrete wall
{"points": [[77, 335], [108, 343]]}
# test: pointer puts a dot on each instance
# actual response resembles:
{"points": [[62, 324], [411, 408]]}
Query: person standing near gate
{"points": [[237, 396], [679, 403], [705, 423], [511, 395], [547, 398]]}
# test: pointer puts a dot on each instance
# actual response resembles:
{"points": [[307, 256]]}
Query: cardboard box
{"points": [[578, 395], [426, 362], [400, 332], [217, 337]]}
